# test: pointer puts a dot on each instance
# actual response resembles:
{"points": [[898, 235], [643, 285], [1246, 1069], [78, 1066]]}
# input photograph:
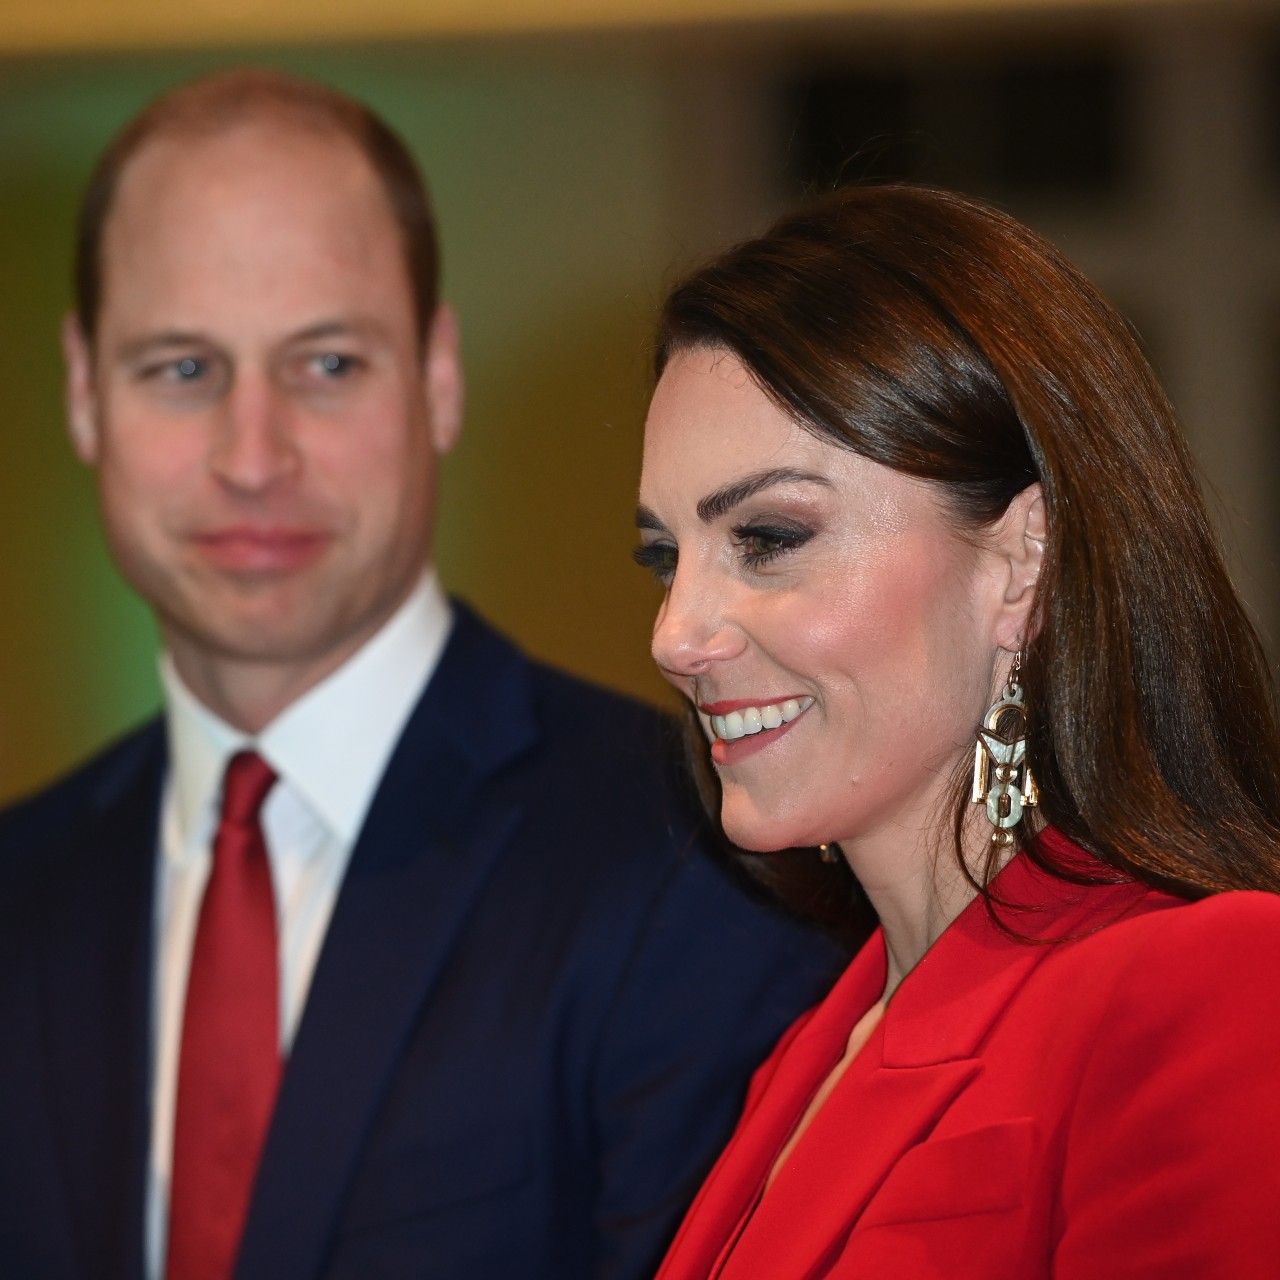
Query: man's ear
{"points": [[442, 378], [80, 392], [1019, 543]]}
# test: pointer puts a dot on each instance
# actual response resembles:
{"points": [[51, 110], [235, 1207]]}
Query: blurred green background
{"points": [[546, 174], [576, 173]]}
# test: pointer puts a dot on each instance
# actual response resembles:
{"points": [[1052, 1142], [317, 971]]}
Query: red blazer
{"points": [[1104, 1102]]}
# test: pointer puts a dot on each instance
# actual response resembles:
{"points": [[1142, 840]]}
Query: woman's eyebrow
{"points": [[718, 502], [645, 519]]}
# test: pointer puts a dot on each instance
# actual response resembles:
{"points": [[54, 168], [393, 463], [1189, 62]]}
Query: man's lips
{"points": [[256, 549]]}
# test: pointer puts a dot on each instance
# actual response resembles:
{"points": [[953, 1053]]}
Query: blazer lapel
{"points": [[421, 860], [922, 1056], [97, 1005], [779, 1096]]}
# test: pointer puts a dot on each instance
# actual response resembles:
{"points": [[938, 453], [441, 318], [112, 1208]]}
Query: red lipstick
{"points": [[738, 704], [730, 751]]}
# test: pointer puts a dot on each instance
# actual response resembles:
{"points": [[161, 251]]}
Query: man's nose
{"points": [[255, 445], [695, 628]]}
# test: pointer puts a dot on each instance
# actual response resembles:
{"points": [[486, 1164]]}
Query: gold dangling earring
{"points": [[829, 852], [1005, 754]]}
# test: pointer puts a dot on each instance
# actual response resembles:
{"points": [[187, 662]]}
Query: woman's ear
{"points": [[1019, 543]]}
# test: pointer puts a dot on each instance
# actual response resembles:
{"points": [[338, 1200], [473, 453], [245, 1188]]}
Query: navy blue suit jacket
{"points": [[528, 1033]]}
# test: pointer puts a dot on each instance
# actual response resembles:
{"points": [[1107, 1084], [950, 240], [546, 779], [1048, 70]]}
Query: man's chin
{"points": [[300, 620], [253, 636]]}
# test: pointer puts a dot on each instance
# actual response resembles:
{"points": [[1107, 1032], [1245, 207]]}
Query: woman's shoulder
{"points": [[1169, 1112], [1160, 923], [1215, 956], [1110, 923]]}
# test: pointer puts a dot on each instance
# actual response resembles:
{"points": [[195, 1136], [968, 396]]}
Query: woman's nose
{"points": [[693, 631]]}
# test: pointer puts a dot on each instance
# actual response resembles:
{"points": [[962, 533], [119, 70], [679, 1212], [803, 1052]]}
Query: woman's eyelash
{"points": [[658, 557], [761, 543], [758, 544]]}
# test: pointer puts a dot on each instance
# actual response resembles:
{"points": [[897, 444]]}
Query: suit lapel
{"points": [[97, 1004], [921, 1058], [422, 859]]}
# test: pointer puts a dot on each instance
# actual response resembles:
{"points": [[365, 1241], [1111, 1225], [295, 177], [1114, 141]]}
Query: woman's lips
{"points": [[254, 550], [739, 728]]}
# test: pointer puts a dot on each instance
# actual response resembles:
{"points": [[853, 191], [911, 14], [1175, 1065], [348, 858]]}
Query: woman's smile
{"points": [[738, 729], [829, 593]]}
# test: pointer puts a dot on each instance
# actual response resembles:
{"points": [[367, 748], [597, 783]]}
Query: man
{"points": [[387, 952]]}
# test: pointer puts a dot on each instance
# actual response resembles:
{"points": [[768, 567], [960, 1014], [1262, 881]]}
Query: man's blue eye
{"points": [[335, 365], [179, 373]]}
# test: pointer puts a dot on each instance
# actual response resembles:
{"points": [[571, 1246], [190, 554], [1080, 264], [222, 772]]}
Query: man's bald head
{"points": [[227, 100]]}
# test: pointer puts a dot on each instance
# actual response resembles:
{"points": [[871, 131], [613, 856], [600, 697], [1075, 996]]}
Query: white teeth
{"points": [[740, 724]]}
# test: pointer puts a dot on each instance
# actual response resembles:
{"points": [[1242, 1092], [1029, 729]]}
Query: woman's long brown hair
{"points": [[934, 334]]}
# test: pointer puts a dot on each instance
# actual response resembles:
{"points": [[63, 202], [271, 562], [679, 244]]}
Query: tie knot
{"points": [[245, 786]]}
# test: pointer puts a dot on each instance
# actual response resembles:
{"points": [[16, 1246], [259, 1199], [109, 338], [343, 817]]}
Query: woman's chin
{"points": [[758, 834]]}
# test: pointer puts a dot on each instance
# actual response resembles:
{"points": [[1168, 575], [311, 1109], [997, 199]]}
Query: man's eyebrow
{"points": [[150, 342], [360, 326], [715, 504]]}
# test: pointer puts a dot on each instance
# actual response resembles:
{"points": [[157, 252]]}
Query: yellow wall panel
{"points": [[141, 24]]}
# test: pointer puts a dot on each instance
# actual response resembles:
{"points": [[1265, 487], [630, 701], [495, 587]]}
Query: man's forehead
{"points": [[253, 235], [213, 162], [253, 195]]}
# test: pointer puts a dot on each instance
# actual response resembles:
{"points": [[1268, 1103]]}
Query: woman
{"points": [[943, 596]]}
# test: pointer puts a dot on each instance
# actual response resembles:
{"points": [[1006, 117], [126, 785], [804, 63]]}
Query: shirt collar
{"points": [[333, 744], [200, 744]]}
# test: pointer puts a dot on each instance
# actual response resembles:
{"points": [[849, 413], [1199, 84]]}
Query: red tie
{"points": [[229, 1065]]}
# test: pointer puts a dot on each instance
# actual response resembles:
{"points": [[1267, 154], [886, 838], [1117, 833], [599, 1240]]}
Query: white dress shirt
{"points": [[329, 750]]}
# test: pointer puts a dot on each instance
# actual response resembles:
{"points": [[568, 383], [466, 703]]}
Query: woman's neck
{"points": [[916, 885]]}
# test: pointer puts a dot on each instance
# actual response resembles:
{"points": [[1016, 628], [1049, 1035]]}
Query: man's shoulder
{"points": [[600, 729], [606, 773], [473, 631], [629, 843], [607, 718], [56, 810], [616, 751]]}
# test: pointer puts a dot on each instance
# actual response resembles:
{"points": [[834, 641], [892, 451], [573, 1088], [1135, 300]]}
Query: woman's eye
{"points": [[659, 558], [759, 544]]}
